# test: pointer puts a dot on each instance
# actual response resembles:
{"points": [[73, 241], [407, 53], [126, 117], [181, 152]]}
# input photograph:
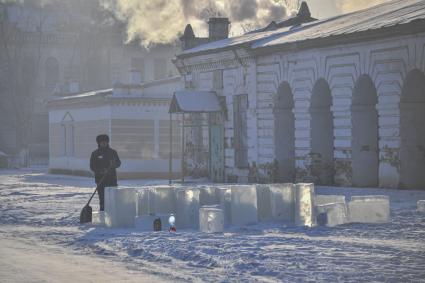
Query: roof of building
{"points": [[103, 92], [390, 14], [146, 90], [195, 102]]}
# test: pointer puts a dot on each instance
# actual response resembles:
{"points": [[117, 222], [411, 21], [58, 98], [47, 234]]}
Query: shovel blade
{"points": [[86, 214]]}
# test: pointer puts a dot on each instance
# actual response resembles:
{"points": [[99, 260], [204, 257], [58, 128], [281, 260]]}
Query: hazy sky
{"points": [[328, 8], [161, 21]]}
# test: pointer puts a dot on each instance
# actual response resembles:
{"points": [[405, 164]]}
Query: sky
{"points": [[161, 21], [328, 8]]}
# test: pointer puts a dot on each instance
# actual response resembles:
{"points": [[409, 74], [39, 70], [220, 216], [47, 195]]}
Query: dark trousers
{"points": [[101, 193]]}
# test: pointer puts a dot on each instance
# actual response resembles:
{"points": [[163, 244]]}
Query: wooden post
{"points": [[170, 161], [183, 141]]}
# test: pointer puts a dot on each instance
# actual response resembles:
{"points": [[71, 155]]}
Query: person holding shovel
{"points": [[103, 162]]}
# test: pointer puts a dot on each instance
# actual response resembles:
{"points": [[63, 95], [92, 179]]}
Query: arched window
{"points": [[284, 133], [68, 135], [412, 131], [321, 131], [364, 120]]}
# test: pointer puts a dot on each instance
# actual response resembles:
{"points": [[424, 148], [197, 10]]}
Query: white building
{"points": [[336, 101], [135, 116]]}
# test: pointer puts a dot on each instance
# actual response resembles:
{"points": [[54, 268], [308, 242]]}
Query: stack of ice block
{"points": [[187, 208], [304, 205], [369, 209], [244, 205], [98, 218], [264, 203], [282, 200], [421, 205], [120, 206], [211, 219], [333, 213]]}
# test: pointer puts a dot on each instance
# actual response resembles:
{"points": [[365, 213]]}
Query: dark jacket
{"points": [[101, 159]]}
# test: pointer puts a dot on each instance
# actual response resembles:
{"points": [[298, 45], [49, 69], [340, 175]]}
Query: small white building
{"points": [[335, 101], [135, 116]]}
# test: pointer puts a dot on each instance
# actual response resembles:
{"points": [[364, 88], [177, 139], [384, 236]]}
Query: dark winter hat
{"points": [[101, 138]]}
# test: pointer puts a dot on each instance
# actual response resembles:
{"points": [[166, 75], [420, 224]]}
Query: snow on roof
{"points": [[194, 101], [386, 15], [397, 12], [83, 95]]}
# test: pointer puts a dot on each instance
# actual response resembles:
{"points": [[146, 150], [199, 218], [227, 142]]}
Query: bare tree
{"points": [[21, 53]]}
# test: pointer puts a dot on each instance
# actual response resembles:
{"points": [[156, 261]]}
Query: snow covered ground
{"points": [[39, 217]]}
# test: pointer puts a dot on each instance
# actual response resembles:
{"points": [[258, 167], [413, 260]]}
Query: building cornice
{"points": [[222, 57], [227, 59], [109, 100]]}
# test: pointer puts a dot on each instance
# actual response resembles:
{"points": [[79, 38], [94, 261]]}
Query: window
{"points": [[240, 107], [160, 68], [68, 135], [138, 64]]}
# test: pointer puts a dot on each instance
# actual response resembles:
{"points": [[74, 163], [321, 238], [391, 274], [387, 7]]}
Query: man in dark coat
{"points": [[103, 162]]}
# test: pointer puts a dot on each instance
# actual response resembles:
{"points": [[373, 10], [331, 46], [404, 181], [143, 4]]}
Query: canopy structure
{"points": [[194, 102], [186, 102]]}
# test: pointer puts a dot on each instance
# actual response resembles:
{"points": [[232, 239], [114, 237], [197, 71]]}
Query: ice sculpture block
{"points": [[164, 201], [282, 202], [263, 203], [146, 222], [304, 205], [369, 209], [211, 219], [120, 207], [207, 195], [244, 205], [187, 208], [333, 213], [224, 195], [328, 199], [145, 201]]}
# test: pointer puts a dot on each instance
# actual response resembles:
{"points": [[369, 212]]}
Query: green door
{"points": [[216, 153]]}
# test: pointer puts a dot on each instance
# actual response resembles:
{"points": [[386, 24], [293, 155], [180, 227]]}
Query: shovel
{"points": [[86, 212]]}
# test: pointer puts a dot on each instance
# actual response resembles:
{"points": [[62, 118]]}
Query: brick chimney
{"points": [[218, 28]]}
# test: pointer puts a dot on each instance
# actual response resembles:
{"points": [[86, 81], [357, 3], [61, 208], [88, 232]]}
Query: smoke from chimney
{"points": [[162, 21], [347, 6]]}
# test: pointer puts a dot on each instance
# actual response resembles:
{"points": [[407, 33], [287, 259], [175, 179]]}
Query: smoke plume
{"points": [[162, 21], [346, 6]]}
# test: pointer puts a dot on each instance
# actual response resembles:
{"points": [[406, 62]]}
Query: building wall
{"points": [[71, 150], [140, 134], [139, 131], [386, 63]]}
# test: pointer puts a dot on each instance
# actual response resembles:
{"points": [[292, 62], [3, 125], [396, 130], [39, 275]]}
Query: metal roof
{"points": [[195, 102], [390, 14]]}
